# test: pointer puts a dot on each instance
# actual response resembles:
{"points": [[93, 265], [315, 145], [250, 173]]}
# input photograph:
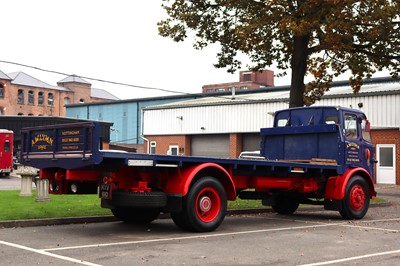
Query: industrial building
{"points": [[225, 125]]}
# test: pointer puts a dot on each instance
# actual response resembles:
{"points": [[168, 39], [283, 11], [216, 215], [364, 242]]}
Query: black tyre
{"points": [[204, 208], [179, 219], [355, 203], [136, 215], [285, 205]]}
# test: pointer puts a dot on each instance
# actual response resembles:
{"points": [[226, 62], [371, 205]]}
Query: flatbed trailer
{"points": [[312, 155]]}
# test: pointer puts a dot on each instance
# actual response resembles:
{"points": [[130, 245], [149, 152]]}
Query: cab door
{"points": [[359, 148]]}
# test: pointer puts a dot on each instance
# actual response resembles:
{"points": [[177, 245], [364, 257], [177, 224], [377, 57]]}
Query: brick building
{"points": [[22, 94], [247, 80]]}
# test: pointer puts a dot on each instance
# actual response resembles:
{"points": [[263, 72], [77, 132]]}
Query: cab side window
{"points": [[366, 130], [350, 126]]}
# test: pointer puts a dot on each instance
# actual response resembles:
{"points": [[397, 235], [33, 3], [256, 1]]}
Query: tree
{"points": [[322, 38]]}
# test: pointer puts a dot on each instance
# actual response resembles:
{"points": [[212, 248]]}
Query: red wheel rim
{"points": [[357, 198], [208, 204]]}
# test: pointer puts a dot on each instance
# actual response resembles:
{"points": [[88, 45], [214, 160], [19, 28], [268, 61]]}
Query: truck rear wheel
{"points": [[355, 203], [285, 205], [136, 215], [204, 208]]}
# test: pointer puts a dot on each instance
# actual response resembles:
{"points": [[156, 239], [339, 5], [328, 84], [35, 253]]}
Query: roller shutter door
{"points": [[210, 146], [251, 142]]}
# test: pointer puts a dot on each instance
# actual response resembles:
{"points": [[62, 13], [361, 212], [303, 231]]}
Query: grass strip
{"points": [[15, 207]]}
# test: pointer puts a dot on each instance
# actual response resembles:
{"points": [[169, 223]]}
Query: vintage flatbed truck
{"points": [[312, 155]]}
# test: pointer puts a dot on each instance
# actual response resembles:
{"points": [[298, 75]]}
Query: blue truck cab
{"points": [[336, 135]]}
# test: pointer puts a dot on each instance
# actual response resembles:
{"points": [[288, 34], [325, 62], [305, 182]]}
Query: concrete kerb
{"points": [[110, 218]]}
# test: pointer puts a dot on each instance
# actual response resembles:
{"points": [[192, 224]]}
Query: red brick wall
{"points": [[163, 143], [235, 145], [9, 105], [389, 136]]}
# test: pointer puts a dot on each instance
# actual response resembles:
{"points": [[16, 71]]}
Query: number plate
{"points": [[105, 191]]}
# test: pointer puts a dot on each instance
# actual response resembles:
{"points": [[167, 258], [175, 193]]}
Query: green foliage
{"points": [[324, 38]]}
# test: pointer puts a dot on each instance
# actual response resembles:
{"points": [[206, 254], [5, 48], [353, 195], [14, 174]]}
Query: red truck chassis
{"points": [[308, 160]]}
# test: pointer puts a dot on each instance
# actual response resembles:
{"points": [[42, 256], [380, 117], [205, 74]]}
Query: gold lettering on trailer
{"points": [[42, 138], [68, 140], [70, 132], [70, 147]]}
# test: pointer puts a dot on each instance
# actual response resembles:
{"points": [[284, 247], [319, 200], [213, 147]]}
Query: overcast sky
{"points": [[109, 40]]}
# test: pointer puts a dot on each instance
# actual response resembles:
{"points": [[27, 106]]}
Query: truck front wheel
{"points": [[355, 203], [204, 208]]}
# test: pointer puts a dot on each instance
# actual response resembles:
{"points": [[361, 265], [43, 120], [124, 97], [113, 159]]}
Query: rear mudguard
{"points": [[336, 185], [208, 169]]}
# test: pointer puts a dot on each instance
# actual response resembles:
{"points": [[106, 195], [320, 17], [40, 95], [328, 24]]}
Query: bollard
{"points": [[26, 173], [26, 185], [42, 187]]}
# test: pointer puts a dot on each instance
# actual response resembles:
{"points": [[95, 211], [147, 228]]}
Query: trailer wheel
{"points": [[205, 206], [355, 203], [136, 215], [179, 219], [285, 205]]}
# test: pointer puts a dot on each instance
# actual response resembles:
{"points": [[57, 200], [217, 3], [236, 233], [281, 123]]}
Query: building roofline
{"points": [[244, 92]]}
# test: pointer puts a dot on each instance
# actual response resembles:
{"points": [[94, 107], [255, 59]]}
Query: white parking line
{"points": [[43, 252], [189, 237], [352, 258], [372, 228], [319, 224]]}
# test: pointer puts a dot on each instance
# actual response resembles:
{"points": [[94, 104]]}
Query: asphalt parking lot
{"points": [[310, 237]]}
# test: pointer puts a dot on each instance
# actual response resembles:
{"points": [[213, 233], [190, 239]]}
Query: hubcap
{"points": [[357, 198], [205, 204], [208, 204]]}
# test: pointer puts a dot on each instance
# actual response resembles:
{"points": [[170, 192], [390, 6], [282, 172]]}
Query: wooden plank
{"points": [[313, 161]]}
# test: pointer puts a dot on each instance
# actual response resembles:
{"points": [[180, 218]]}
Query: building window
{"points": [[40, 98], [173, 150], [1, 91], [153, 146], [20, 99], [31, 97], [246, 77], [50, 99], [66, 100]]}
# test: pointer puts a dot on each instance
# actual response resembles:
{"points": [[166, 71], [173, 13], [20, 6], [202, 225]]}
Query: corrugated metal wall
{"points": [[210, 119], [382, 110]]}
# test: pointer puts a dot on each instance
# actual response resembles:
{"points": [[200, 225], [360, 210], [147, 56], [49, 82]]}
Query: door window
{"points": [[350, 126], [7, 146], [386, 156]]}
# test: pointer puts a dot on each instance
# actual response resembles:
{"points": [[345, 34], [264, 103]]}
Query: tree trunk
{"points": [[299, 68]]}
